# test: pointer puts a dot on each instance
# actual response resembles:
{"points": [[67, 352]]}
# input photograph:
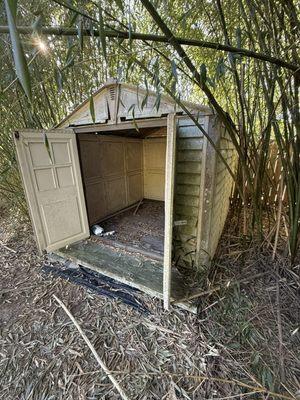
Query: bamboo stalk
{"points": [[63, 31], [92, 348], [278, 219]]}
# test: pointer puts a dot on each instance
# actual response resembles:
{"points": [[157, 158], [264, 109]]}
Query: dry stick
{"points": [[7, 248], [138, 206], [92, 348]]}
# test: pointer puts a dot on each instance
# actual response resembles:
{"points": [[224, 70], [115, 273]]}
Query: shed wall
{"points": [[187, 189], [154, 168], [222, 190], [112, 169]]}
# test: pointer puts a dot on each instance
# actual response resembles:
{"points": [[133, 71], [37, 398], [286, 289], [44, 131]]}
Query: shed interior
{"points": [[123, 176]]}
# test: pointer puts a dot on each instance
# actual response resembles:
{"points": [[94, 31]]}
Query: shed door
{"points": [[52, 182]]}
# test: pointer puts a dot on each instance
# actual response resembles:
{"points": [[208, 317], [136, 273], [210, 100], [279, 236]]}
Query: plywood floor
{"points": [[141, 230], [129, 268]]}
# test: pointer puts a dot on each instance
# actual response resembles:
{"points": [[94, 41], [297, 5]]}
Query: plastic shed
{"points": [[143, 170]]}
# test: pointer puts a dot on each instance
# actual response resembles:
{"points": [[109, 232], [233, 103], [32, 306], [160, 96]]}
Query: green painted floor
{"points": [[129, 268]]}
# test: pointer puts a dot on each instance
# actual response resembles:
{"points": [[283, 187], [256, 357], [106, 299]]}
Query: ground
{"points": [[244, 341]]}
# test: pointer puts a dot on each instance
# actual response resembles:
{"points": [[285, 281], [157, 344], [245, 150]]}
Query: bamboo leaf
{"points": [[37, 25], [220, 69], [73, 19], [102, 32], [21, 66], [69, 63], [157, 101], [69, 57], [174, 70], [238, 34], [173, 86], [58, 79], [119, 3], [210, 81], [80, 33], [129, 28], [69, 52], [132, 107], [146, 85], [121, 102], [91, 29], [203, 73], [120, 71], [129, 67], [46, 142], [134, 121], [144, 101], [92, 108]]}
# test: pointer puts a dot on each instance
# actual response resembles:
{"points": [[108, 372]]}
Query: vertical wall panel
{"points": [[154, 168], [112, 171], [222, 190], [187, 190]]}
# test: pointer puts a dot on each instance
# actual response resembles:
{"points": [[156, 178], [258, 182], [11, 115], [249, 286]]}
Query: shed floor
{"points": [[143, 230], [129, 268]]}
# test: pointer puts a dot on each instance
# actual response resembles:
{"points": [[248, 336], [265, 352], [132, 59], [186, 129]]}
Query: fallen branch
{"points": [[92, 348]]}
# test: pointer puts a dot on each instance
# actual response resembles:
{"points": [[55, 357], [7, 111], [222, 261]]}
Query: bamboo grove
{"points": [[239, 56]]}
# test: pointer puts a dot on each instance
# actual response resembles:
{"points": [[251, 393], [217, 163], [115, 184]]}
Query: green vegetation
{"points": [[254, 88]]}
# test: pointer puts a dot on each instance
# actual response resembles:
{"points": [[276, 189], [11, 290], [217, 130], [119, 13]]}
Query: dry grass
{"points": [[158, 356]]}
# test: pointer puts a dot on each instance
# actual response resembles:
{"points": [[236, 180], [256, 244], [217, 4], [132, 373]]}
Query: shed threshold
{"points": [[132, 269]]}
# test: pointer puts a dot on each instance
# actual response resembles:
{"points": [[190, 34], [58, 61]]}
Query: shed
{"points": [[139, 167]]}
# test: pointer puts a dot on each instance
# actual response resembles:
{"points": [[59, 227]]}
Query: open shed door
{"points": [[50, 170]]}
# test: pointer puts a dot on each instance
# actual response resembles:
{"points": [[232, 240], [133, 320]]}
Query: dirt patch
{"points": [[164, 355]]}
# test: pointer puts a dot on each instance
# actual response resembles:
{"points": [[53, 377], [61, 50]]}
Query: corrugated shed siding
{"points": [[222, 190], [187, 189]]}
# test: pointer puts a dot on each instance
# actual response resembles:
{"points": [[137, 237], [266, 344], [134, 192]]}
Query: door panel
{"points": [[53, 186]]}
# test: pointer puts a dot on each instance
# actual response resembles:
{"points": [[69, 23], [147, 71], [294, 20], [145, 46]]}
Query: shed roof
{"points": [[115, 102]]}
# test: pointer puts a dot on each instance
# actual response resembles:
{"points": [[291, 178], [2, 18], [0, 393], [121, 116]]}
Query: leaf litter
{"points": [[163, 355]]}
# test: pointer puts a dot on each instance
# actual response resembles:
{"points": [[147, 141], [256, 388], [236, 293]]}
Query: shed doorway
{"points": [[124, 183]]}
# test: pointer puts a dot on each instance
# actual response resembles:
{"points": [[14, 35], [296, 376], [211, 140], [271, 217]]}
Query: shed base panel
{"points": [[132, 269]]}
